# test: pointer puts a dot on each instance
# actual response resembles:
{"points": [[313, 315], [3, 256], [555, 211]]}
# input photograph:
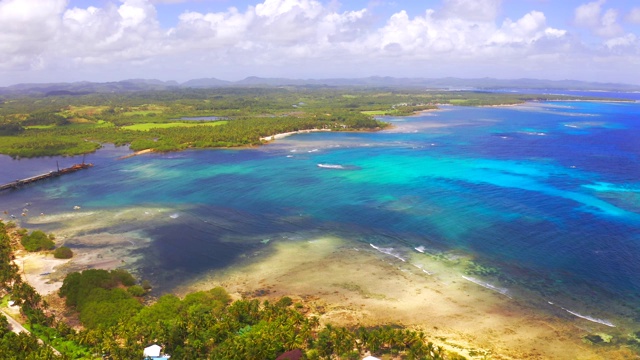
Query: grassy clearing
{"points": [[140, 113], [145, 110], [80, 111], [40, 126], [149, 126], [378, 112]]}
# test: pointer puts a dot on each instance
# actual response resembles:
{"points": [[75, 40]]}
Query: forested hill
{"points": [[86, 87]]}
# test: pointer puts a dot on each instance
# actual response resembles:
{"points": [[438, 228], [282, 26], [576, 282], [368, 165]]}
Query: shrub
{"points": [[63, 252], [136, 290], [37, 241], [123, 276], [146, 284]]}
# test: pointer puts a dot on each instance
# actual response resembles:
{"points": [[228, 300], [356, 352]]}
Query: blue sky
{"points": [[110, 40]]}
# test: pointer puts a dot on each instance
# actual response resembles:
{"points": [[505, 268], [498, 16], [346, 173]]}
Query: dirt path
{"points": [[15, 326]]}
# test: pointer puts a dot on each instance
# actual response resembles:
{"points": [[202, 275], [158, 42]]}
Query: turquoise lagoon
{"points": [[547, 193]]}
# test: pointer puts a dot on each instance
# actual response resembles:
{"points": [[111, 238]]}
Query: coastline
{"points": [[346, 283], [353, 288], [136, 153], [284, 135], [349, 284]]}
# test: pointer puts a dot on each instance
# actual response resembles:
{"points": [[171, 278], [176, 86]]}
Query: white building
{"points": [[154, 352]]}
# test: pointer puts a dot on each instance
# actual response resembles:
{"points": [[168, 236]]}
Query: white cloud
{"points": [[27, 30], [590, 15], [627, 44], [311, 38], [110, 34], [634, 16], [473, 10]]}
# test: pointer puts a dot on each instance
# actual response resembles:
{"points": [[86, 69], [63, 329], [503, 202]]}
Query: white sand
{"points": [[284, 135]]}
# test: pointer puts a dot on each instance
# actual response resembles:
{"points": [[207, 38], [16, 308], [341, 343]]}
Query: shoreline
{"points": [[136, 153], [349, 283], [284, 135]]}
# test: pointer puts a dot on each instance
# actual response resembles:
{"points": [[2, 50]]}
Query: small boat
{"points": [[330, 166]]}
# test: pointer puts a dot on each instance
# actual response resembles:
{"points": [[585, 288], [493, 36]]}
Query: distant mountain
{"points": [[449, 83], [205, 83]]}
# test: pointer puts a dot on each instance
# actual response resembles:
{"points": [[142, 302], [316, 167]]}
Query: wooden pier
{"points": [[21, 182]]}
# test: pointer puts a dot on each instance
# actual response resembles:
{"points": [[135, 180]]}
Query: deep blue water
{"points": [[547, 192]]}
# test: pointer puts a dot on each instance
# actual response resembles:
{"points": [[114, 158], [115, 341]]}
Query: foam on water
{"points": [[389, 251], [486, 285], [592, 319]]}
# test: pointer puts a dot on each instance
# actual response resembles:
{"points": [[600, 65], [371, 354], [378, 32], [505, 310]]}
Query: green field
{"points": [[377, 112], [149, 126], [40, 126]]}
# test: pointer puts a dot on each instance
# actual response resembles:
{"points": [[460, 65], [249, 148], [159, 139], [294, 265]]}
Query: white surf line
{"points": [[421, 268], [485, 285], [599, 321], [388, 251]]}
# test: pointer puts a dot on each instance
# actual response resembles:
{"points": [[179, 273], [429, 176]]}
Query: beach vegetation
{"points": [[136, 291], [208, 324], [146, 285], [63, 252], [37, 241]]}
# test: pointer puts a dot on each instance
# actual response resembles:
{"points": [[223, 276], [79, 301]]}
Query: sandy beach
{"points": [[99, 249], [284, 135], [141, 152]]}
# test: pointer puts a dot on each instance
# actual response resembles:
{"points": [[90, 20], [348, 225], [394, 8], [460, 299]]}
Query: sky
{"points": [[44, 41]]}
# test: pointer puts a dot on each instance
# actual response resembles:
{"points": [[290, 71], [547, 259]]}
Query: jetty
{"points": [[21, 182]]}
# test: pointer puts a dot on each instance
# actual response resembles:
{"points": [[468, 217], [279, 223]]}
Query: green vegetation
{"points": [[63, 252], [32, 307], [149, 126], [208, 325], [37, 241], [73, 125], [202, 325], [473, 268]]}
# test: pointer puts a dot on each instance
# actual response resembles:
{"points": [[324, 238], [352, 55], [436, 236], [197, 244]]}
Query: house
{"points": [[370, 358], [154, 352]]}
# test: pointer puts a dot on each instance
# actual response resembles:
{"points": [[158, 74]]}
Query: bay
{"points": [[548, 194]]}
